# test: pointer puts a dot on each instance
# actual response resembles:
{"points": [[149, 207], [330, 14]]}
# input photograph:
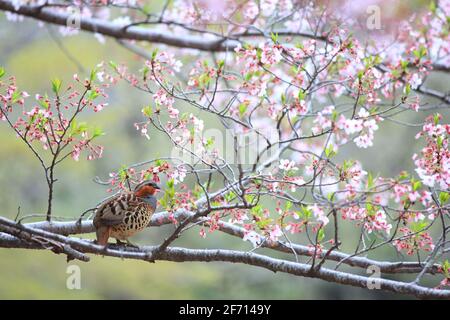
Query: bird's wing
{"points": [[113, 211]]}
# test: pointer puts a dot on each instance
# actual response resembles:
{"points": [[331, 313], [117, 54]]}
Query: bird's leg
{"points": [[120, 242]]}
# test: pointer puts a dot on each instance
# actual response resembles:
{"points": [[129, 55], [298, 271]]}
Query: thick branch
{"points": [[272, 264], [107, 28], [67, 228]]}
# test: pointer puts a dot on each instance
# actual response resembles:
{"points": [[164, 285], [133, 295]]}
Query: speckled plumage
{"points": [[123, 216]]}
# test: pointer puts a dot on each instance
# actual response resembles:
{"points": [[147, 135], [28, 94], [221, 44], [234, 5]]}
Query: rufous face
{"points": [[145, 191]]}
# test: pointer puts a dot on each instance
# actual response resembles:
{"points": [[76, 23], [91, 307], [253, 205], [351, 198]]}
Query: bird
{"points": [[126, 214]]}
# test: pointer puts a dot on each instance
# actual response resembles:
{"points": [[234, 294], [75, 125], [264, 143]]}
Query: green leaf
{"points": [[395, 73], [204, 79], [259, 53], [370, 181], [147, 111], [439, 142], [288, 205], [301, 95], [43, 103], [2, 72], [113, 64], [92, 95], [73, 126], [56, 85], [407, 89], [444, 197], [334, 115], [257, 210], [209, 142], [93, 74], [445, 267], [436, 119], [370, 209], [360, 74], [242, 108], [145, 72], [420, 52], [432, 6], [418, 227], [321, 234], [404, 65], [347, 164], [264, 223], [331, 195], [82, 127], [250, 198], [16, 96], [403, 175], [306, 212], [123, 173], [97, 132], [329, 151], [416, 185], [230, 196], [274, 37], [77, 128]]}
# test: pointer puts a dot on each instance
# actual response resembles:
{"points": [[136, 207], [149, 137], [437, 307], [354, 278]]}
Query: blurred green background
{"points": [[37, 55]]}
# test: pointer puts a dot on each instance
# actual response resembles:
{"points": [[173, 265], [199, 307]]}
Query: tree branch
{"points": [[177, 254], [161, 218], [107, 28]]}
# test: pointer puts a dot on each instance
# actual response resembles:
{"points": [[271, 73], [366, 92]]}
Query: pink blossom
{"points": [[275, 232], [251, 10], [253, 237], [286, 165], [319, 214], [271, 54]]}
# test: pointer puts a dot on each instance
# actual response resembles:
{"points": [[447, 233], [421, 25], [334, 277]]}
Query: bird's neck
{"points": [[151, 200]]}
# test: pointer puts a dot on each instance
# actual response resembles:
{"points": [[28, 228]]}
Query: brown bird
{"points": [[126, 214]]}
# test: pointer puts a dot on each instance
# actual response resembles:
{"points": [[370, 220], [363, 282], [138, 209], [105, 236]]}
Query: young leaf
{"points": [[242, 109], [274, 37], [56, 85], [329, 151], [321, 234], [97, 132], [407, 89], [147, 111], [113, 64], [369, 181], [444, 197]]}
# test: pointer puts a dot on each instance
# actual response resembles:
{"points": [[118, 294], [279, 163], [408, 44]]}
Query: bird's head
{"points": [[146, 188]]}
